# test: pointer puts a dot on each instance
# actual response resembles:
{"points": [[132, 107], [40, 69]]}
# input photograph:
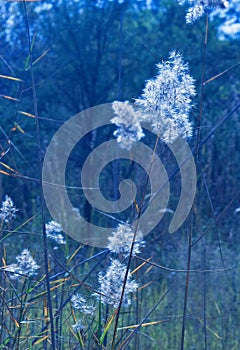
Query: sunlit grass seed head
{"points": [[78, 327], [128, 122], [120, 241], [25, 266], [166, 100], [111, 285], [53, 230], [8, 210], [80, 303], [200, 7]]}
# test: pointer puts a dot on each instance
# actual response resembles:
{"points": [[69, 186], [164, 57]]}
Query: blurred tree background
{"points": [[91, 52]]}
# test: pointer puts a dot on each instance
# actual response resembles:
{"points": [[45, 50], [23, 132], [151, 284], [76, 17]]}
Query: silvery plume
{"points": [[80, 303], [7, 210], [200, 7], [120, 241], [53, 230], [166, 100], [24, 267], [127, 120], [111, 284]]}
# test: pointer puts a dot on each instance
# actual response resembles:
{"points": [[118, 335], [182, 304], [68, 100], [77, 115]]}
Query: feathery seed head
{"points": [[8, 210], [167, 100], [121, 239], [127, 120], [53, 230], [199, 7], [79, 302], [111, 285], [78, 327], [25, 266]]}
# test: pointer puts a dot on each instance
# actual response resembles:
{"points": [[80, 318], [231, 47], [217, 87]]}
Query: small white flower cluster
{"points": [[199, 7], [25, 266], [127, 119], [78, 327], [167, 100], [111, 285], [120, 240], [79, 302], [8, 210], [53, 230]]}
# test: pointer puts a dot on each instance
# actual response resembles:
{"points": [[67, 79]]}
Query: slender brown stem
{"points": [[39, 151], [202, 90], [187, 285], [132, 246], [196, 157]]}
